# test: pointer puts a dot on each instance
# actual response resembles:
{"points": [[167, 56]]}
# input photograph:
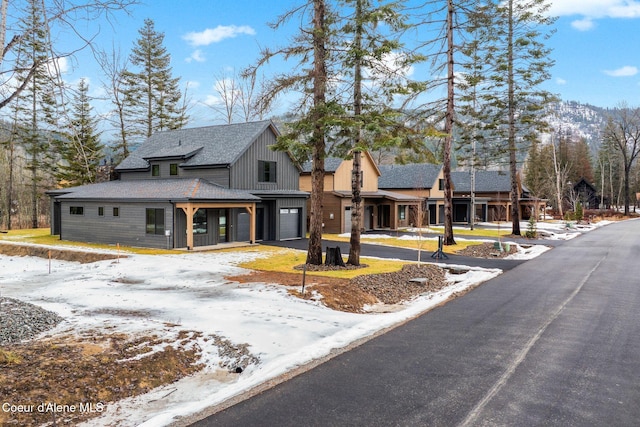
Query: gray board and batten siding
{"points": [[226, 155], [210, 166]]}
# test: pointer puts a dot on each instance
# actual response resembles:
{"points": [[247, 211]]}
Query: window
{"points": [[173, 169], [76, 210], [100, 210], [441, 184], [155, 221], [155, 170], [402, 212], [116, 211], [266, 171], [200, 222]]}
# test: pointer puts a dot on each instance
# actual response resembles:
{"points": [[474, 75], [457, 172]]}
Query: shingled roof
{"points": [[203, 146], [486, 181], [331, 164], [411, 176], [175, 190]]}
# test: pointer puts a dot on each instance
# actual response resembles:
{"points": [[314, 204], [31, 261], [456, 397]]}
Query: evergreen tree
{"points": [[36, 103], [81, 151], [451, 18], [517, 62], [152, 97], [372, 66], [307, 135]]}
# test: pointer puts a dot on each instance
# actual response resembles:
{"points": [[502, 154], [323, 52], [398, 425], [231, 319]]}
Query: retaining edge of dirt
{"points": [[16, 249]]}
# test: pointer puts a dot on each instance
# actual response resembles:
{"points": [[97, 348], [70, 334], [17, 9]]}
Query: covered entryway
{"points": [[213, 215]]}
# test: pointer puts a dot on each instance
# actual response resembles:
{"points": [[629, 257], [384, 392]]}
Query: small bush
{"points": [[532, 229], [579, 212]]}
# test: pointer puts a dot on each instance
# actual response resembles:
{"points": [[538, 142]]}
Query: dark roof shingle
{"points": [[203, 146], [486, 181], [409, 176], [154, 189]]}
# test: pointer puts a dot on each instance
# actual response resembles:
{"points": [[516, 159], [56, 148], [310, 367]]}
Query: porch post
{"points": [[189, 210], [252, 223]]}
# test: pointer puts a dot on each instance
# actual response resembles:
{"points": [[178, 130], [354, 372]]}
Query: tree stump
{"points": [[334, 257]]}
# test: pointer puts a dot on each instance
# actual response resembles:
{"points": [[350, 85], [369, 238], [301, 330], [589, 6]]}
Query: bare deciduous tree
{"points": [[622, 131], [62, 16]]}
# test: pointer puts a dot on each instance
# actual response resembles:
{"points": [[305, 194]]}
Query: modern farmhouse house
{"points": [[382, 209], [189, 188]]}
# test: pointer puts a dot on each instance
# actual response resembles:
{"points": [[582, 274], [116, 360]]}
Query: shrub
{"points": [[532, 229]]}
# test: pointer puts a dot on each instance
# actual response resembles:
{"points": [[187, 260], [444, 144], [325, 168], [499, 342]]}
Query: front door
{"points": [[223, 214]]}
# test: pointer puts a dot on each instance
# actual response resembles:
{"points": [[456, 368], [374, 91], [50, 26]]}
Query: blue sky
{"points": [[596, 46]]}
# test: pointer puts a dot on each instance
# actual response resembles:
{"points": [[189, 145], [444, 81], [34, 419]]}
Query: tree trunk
{"points": [[627, 198], [448, 130], [314, 252], [3, 26], [356, 173], [334, 257], [513, 167], [356, 210]]}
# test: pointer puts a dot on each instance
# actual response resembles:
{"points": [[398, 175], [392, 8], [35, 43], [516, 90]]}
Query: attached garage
{"points": [[290, 221]]}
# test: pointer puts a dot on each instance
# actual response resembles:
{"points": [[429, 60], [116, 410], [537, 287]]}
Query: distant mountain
{"points": [[573, 119]]}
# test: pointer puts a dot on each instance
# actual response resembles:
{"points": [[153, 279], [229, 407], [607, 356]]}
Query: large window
{"points": [[200, 222], [76, 210], [266, 171], [402, 212], [155, 221]]}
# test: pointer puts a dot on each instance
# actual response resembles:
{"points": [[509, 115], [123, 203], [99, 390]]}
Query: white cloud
{"points": [[215, 35], [626, 71], [192, 84], [584, 24], [596, 8], [196, 56], [561, 81], [58, 66], [212, 100]]}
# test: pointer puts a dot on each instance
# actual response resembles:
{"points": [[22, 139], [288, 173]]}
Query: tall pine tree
{"points": [[519, 63], [316, 112], [373, 68], [152, 97], [36, 103]]}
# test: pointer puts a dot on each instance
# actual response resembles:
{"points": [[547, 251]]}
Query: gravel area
{"points": [[412, 280], [21, 320]]}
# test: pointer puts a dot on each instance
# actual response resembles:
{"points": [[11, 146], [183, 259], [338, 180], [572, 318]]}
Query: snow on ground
{"points": [[164, 294]]}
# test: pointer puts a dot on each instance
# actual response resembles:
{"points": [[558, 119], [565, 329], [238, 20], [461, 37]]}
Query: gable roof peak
{"points": [[200, 146]]}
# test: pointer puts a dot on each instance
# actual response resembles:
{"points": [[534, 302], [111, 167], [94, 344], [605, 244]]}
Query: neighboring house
{"points": [[188, 188], [492, 192], [423, 180], [492, 197], [382, 209], [587, 194]]}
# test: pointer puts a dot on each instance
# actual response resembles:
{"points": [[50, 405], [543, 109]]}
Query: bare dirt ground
{"points": [[113, 366]]}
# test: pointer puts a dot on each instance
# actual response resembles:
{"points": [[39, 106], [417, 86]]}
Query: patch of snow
{"points": [[165, 294]]}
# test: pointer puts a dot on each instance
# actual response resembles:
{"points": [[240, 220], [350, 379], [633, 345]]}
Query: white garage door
{"points": [[290, 223]]}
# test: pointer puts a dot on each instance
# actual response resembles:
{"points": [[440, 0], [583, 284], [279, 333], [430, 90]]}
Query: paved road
{"points": [[410, 254], [554, 341]]}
